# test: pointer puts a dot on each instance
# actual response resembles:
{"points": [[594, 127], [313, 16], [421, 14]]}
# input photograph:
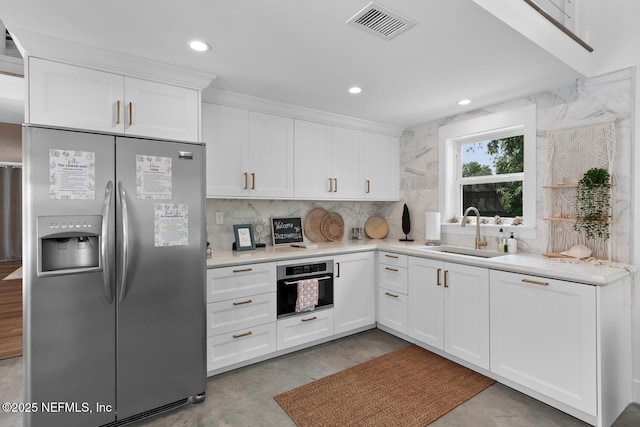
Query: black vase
{"points": [[406, 224]]}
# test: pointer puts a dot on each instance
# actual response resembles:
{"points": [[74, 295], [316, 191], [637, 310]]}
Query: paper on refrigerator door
{"points": [[171, 224], [72, 175], [153, 177]]}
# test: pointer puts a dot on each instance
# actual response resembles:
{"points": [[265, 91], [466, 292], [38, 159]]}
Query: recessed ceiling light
{"points": [[464, 102], [355, 90], [199, 46]]}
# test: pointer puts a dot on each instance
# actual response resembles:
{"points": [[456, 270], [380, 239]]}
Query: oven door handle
{"points": [[295, 282]]}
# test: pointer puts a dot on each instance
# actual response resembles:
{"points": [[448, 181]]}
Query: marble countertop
{"points": [[533, 264]]}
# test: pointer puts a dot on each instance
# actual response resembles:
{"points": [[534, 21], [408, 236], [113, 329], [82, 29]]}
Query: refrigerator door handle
{"points": [[125, 242], [104, 247]]}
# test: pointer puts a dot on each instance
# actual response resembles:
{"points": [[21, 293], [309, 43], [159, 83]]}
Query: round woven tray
{"points": [[333, 226], [312, 225], [376, 227]]}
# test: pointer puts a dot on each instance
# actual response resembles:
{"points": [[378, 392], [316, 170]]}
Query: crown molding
{"points": [[73, 53], [237, 100]]}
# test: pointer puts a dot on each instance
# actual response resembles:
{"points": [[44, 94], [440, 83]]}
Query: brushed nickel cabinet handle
{"points": [[446, 278], [130, 113], [309, 319], [535, 282], [391, 295], [118, 112], [368, 186], [243, 302], [391, 256], [330, 185], [246, 334], [335, 187], [439, 271], [391, 269], [243, 270]]}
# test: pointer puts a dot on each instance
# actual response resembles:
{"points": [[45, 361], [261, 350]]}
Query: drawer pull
{"points": [[439, 271], [246, 334], [391, 295], [535, 282], [309, 319], [242, 270], [243, 302], [391, 269], [391, 256]]}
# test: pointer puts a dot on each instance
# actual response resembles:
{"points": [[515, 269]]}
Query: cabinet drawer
{"points": [[302, 329], [240, 313], [390, 258], [392, 310], [235, 347], [393, 278], [240, 281]]}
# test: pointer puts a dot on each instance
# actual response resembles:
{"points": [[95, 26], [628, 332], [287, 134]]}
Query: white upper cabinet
{"points": [[82, 98], [270, 156], [381, 167], [160, 110], [249, 154], [327, 162]]}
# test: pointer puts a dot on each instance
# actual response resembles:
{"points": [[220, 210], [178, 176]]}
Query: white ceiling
{"points": [[301, 52]]}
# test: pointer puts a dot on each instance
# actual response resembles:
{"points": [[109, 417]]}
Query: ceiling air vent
{"points": [[381, 21]]}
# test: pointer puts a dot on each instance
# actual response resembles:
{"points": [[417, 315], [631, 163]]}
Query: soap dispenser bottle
{"points": [[512, 244]]}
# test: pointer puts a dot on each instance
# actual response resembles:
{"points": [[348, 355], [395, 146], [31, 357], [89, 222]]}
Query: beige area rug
{"points": [[407, 387]]}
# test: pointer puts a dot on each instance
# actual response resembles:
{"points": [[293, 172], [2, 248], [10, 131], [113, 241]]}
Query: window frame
{"points": [[518, 121]]}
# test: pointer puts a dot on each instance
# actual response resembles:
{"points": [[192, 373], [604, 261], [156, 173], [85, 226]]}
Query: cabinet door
{"points": [[161, 111], [75, 97], [382, 166], [240, 281], [302, 329], [426, 304], [543, 336], [312, 161], [346, 164], [392, 310], [270, 155], [466, 313], [353, 291], [225, 130]]}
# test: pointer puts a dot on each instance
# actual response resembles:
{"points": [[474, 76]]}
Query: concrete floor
{"points": [[244, 397]]}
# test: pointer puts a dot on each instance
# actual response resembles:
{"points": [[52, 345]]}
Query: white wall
{"points": [[615, 36]]}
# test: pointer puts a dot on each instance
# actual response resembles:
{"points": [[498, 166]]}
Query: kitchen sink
{"points": [[463, 251]]}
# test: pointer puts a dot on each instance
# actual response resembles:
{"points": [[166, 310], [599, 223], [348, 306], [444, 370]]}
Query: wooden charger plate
{"points": [[313, 225], [333, 226], [376, 227]]}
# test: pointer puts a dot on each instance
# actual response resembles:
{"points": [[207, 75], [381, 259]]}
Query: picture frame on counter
{"points": [[245, 237]]}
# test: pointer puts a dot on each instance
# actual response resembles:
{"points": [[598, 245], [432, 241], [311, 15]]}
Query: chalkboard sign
{"points": [[286, 230]]}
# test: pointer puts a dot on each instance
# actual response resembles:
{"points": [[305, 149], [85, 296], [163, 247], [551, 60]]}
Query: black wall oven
{"points": [[288, 277]]}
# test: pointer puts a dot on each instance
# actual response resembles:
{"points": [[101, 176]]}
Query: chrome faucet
{"points": [[479, 242]]}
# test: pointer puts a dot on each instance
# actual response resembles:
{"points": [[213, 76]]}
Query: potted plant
{"points": [[593, 204]]}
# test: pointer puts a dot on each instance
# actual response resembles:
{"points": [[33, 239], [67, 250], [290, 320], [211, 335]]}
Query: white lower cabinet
{"points": [[301, 329], [234, 347], [449, 308], [354, 291], [241, 314], [544, 336], [392, 291]]}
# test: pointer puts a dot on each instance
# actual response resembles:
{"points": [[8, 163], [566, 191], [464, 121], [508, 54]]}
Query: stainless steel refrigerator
{"points": [[114, 277]]}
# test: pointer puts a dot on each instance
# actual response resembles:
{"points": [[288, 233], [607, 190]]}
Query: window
{"points": [[490, 175], [489, 162]]}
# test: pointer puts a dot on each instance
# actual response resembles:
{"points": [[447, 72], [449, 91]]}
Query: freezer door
{"points": [[160, 273], [69, 318]]}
